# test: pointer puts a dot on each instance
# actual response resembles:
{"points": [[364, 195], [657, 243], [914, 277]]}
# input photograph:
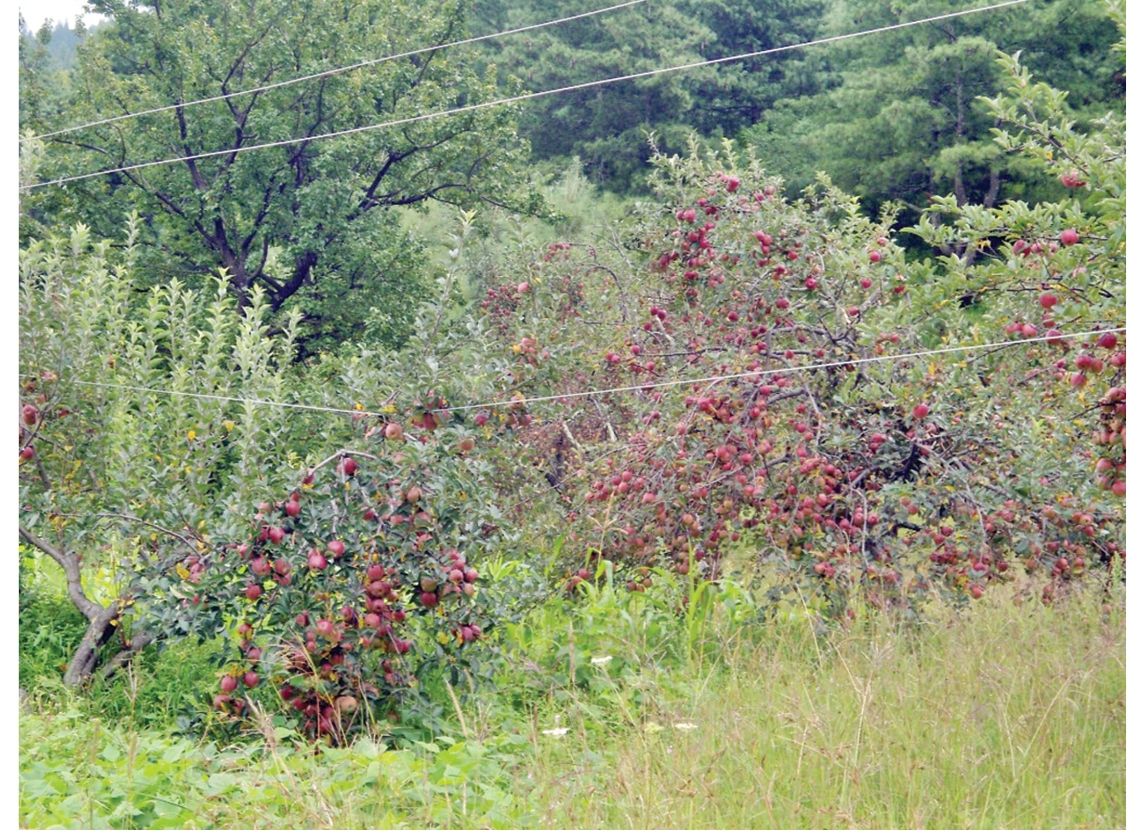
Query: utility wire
{"points": [[335, 71], [524, 96], [650, 386]]}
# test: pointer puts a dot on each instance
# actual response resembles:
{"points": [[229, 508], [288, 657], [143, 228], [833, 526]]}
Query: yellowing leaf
{"points": [[228, 425]]}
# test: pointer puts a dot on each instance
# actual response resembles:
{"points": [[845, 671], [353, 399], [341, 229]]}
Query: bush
{"points": [[364, 576]]}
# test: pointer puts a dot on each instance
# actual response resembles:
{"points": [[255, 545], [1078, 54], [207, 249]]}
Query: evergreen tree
{"points": [[904, 121]]}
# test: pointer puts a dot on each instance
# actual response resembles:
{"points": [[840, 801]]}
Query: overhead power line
{"points": [[324, 74], [648, 386], [525, 96]]}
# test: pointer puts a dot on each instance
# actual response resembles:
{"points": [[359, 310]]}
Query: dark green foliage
{"points": [[608, 127], [903, 122], [304, 218]]}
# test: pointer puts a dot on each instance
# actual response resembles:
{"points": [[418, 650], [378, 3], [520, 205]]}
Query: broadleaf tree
{"points": [[308, 220]]}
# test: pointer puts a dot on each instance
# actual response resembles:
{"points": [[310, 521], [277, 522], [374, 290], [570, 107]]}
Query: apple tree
{"points": [[121, 471], [738, 394]]}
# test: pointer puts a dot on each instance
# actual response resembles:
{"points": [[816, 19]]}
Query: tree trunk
{"points": [[101, 620], [99, 632], [959, 134], [994, 187]]}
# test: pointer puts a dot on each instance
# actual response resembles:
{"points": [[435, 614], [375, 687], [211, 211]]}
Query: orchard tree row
{"points": [[738, 378]]}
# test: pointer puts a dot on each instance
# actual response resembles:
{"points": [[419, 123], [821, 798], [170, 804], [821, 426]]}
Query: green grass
{"points": [[1003, 716], [1002, 719]]}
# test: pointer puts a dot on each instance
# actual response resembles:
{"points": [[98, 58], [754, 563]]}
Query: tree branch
{"points": [[70, 564]]}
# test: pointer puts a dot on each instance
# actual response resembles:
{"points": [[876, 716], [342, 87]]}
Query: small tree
{"points": [[363, 578], [121, 470]]}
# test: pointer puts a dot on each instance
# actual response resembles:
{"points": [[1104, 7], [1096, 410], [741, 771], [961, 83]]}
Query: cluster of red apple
{"points": [[32, 413], [1102, 357], [29, 422], [375, 561], [750, 284]]}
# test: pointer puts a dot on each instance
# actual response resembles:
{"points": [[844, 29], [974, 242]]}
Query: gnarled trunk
{"points": [[101, 620]]}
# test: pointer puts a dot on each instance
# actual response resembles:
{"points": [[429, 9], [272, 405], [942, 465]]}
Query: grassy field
{"points": [[624, 715]]}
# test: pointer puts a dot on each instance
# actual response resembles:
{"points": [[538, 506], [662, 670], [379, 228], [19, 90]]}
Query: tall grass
{"points": [[1003, 717], [1000, 716]]}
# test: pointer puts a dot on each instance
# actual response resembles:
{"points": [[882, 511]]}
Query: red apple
{"points": [[1072, 180]]}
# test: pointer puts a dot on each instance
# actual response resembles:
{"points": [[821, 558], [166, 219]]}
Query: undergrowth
{"points": [[673, 708]]}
